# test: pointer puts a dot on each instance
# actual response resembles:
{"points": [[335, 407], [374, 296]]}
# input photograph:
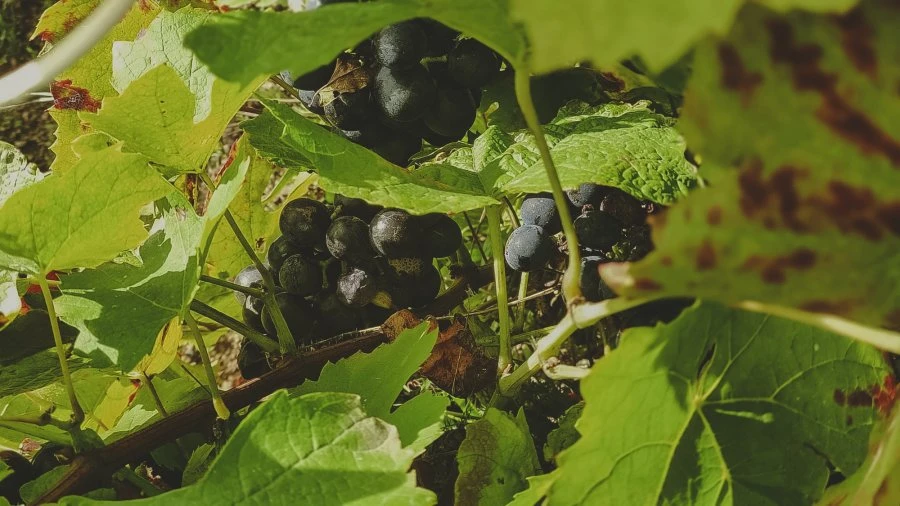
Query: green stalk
{"points": [[579, 316], [504, 359], [219, 405], [131, 476], [520, 308], [77, 412], [267, 345], [285, 339], [253, 292], [153, 393], [570, 284]]}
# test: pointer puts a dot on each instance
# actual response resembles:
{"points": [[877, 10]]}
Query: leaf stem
{"points": [[579, 316], [520, 309], [219, 405], [570, 284], [264, 342], [285, 339], [504, 356], [77, 412], [880, 338], [253, 292], [153, 393], [130, 476]]}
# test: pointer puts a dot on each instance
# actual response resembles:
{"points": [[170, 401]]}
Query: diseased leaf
{"points": [[494, 459], [80, 217], [607, 31], [721, 407], [267, 42], [318, 448], [379, 377], [292, 141], [622, 145], [798, 133], [16, 172], [119, 308]]}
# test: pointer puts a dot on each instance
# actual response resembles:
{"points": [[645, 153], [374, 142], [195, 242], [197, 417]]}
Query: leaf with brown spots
{"points": [[799, 130]]}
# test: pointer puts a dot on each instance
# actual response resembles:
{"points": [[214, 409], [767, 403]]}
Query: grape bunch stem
{"points": [[504, 358], [218, 404], [77, 412]]}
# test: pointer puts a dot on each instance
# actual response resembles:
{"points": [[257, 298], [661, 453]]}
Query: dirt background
{"points": [[28, 127]]}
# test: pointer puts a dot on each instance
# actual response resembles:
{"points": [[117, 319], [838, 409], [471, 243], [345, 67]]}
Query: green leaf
{"points": [[167, 133], [292, 141], [320, 448], [721, 407], [606, 31], [241, 46], [494, 459], [32, 372], [538, 488], [120, 308], [805, 199], [34, 488], [379, 377], [16, 172], [622, 145], [81, 217], [197, 464], [565, 434]]}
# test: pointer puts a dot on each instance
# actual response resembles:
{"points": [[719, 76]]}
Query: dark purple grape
{"points": [[300, 276], [597, 230], [304, 222], [541, 210], [395, 233], [528, 248], [400, 45], [348, 240], [472, 64]]}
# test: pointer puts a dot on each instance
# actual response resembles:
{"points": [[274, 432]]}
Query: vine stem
{"points": [[218, 404], [253, 292], [879, 338], [570, 283], [285, 339], [77, 412], [267, 345], [579, 316], [504, 356]]}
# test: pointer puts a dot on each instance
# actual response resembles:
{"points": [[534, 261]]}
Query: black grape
{"points": [[400, 45], [316, 78], [395, 233], [336, 317], [348, 239], [304, 222], [349, 111], [251, 313], [359, 208], [440, 37], [623, 207], [597, 230], [252, 361], [357, 287], [442, 235], [541, 210], [413, 281], [279, 250], [248, 277], [300, 276], [404, 95], [472, 64], [300, 318], [453, 112], [397, 146], [592, 287], [587, 194], [528, 248]]}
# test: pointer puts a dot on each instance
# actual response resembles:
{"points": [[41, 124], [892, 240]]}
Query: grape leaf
{"points": [[60, 18], [721, 407], [241, 46], [10, 302], [318, 448], [806, 192], [16, 172], [119, 308], [622, 145], [494, 459], [379, 377], [607, 31], [292, 141], [80, 217], [32, 372], [167, 133], [565, 434]]}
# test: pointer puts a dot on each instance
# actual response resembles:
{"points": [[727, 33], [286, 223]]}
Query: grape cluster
{"points": [[411, 81], [610, 225], [341, 266]]}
